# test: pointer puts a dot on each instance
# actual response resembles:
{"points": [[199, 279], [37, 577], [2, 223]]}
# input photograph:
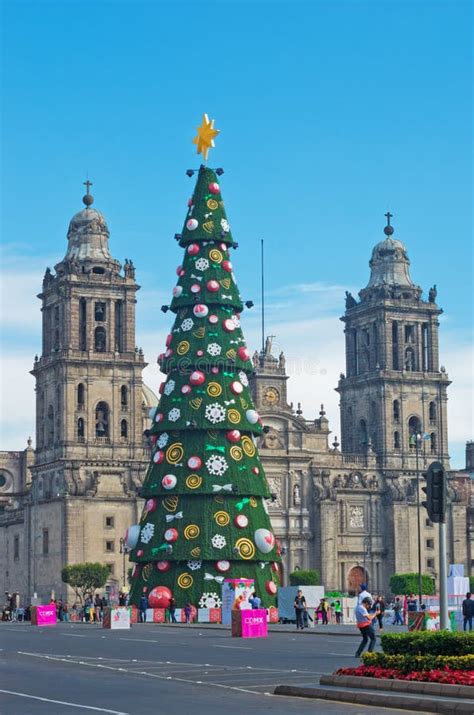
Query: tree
{"points": [[205, 516], [305, 578], [407, 583], [85, 578]]}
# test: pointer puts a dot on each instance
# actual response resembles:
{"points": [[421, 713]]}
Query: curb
{"points": [[403, 686], [383, 700]]}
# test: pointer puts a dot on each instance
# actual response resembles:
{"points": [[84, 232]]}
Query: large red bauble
{"points": [[233, 435], [243, 353], [159, 597], [228, 325], [197, 377], [227, 266], [213, 286], [214, 188], [171, 535], [236, 387], [163, 565], [271, 588], [193, 249]]}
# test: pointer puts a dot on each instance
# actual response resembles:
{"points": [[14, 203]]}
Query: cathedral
{"points": [[348, 509]]}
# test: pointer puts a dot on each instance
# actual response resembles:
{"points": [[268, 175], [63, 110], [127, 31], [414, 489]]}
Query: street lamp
{"points": [[367, 551], [124, 550], [417, 439]]}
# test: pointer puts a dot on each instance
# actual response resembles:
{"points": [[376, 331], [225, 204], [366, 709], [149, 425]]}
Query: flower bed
{"points": [[442, 675], [407, 663]]}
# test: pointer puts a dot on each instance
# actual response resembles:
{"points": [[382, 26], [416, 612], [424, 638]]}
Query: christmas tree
{"points": [[205, 515]]}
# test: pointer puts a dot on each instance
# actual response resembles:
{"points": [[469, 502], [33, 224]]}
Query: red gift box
{"points": [[215, 615], [134, 615], [158, 615], [273, 614]]}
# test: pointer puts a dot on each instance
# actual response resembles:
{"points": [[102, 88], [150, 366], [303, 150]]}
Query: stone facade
{"points": [[349, 510]]}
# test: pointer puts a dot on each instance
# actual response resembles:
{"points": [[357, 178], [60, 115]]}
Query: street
{"points": [[81, 668]]}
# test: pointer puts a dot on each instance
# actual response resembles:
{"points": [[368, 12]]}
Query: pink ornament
{"points": [[227, 266], [150, 505], [163, 566], [223, 566], [158, 457], [153, 439], [213, 286], [193, 249], [194, 462], [236, 387], [195, 288], [243, 353], [233, 435], [186, 389], [159, 597], [199, 353], [190, 202], [168, 353], [255, 470], [200, 310], [192, 224], [145, 589], [177, 290], [179, 270], [213, 319], [197, 377], [171, 535], [159, 417], [241, 521], [223, 246], [168, 340], [140, 552], [214, 370], [160, 358], [271, 588], [169, 481], [275, 567], [161, 388], [214, 188], [228, 325]]}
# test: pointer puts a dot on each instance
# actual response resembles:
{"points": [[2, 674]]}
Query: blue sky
{"points": [[330, 113]]}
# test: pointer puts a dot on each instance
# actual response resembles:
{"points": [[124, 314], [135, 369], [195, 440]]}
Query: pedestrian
{"points": [[323, 610], [143, 605], [411, 604], [97, 607], [187, 612], [255, 601], [338, 611], [65, 613], [397, 610], [364, 624], [468, 611], [363, 593], [300, 607], [172, 610], [380, 610]]}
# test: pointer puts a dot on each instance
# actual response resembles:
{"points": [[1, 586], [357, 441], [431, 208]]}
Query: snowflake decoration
{"points": [[187, 324], [225, 225], [216, 465], [215, 413], [162, 440], [218, 541], [202, 264], [243, 378], [147, 532], [174, 414], [235, 320], [210, 600], [194, 565], [214, 349], [169, 387]]}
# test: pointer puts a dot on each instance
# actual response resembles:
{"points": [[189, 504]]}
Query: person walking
{"points": [[300, 607], [364, 624], [468, 611], [323, 609], [338, 611], [380, 610], [187, 612], [255, 601], [397, 611], [143, 605], [172, 609]]}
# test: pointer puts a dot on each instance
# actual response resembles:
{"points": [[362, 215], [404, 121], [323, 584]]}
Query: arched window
{"points": [[396, 440], [409, 360], [80, 428], [102, 420], [50, 427], [363, 434], [124, 429], [100, 340], [414, 429], [124, 396], [432, 412], [396, 411], [81, 394], [433, 445]]}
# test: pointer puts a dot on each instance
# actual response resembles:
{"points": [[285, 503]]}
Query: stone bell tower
{"points": [[394, 387]]}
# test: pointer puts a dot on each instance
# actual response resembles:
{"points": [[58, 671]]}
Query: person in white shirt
{"points": [[364, 624], [363, 593]]}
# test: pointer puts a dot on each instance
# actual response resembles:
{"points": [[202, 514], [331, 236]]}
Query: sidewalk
{"points": [[348, 629]]}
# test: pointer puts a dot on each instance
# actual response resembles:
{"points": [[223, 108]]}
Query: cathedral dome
{"points": [[389, 264], [88, 237], [149, 399]]}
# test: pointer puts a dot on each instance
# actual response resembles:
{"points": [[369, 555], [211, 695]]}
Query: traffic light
{"points": [[435, 491]]}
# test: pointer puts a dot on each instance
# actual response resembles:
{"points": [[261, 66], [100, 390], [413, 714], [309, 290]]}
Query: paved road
{"points": [[165, 670]]}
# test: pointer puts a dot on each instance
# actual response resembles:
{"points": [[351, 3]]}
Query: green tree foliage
{"points": [[428, 643], [85, 578], [305, 578], [407, 583]]}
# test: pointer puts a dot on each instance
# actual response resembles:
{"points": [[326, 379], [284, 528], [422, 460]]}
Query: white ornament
{"points": [[187, 324], [236, 321], [202, 264], [210, 600], [215, 413], [147, 532], [194, 565], [214, 349], [252, 416], [217, 465], [174, 414], [177, 290], [192, 224], [264, 540], [243, 378], [218, 541], [169, 387], [131, 535], [225, 225], [162, 440]]}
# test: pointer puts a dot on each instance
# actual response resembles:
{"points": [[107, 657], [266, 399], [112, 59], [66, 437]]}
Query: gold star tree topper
{"points": [[205, 136]]}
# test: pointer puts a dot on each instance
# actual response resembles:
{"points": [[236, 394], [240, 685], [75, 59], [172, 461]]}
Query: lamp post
{"points": [[124, 551], [367, 549], [417, 439]]}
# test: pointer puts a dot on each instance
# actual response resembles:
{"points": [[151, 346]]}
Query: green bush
{"points": [[305, 578], [428, 643], [407, 583], [471, 583], [410, 663]]}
